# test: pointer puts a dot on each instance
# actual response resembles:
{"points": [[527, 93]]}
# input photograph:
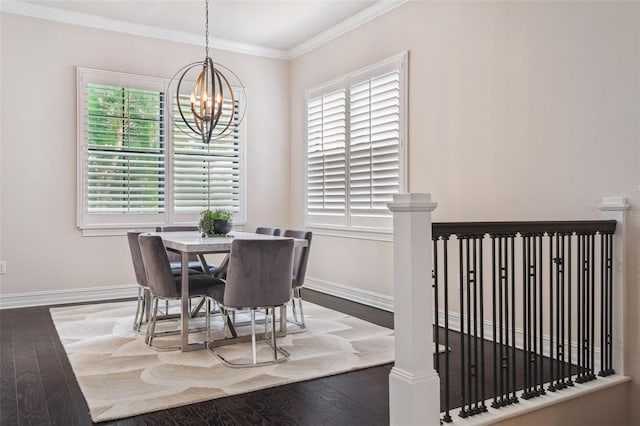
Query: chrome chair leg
{"points": [[147, 304], [142, 310], [253, 336], [151, 329], [137, 320], [273, 331], [296, 296], [208, 320], [293, 305], [301, 309]]}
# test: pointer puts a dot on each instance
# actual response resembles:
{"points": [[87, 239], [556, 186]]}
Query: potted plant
{"points": [[218, 221]]}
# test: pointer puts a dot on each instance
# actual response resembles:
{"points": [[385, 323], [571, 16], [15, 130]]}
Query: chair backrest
{"points": [[300, 257], [136, 257], [175, 257], [259, 273], [268, 230], [157, 267]]}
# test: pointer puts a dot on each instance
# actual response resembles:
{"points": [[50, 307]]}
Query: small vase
{"points": [[222, 226]]}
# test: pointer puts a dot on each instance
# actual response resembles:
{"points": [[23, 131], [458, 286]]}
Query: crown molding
{"points": [[379, 8], [33, 10]]}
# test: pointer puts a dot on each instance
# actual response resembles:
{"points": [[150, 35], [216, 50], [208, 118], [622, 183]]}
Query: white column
{"points": [[414, 386], [616, 208]]}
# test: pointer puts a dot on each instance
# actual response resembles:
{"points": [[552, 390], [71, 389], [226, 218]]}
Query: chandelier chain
{"points": [[206, 28]]}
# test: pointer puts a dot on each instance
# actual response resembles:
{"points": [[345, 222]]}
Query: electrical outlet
{"points": [[3, 266]]}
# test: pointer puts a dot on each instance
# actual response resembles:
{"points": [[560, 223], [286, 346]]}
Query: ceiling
{"points": [[273, 24]]}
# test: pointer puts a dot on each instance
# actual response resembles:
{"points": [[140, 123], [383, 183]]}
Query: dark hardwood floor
{"points": [[38, 387]]}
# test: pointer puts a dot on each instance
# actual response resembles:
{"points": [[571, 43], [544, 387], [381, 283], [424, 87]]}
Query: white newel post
{"points": [[616, 208], [414, 386]]}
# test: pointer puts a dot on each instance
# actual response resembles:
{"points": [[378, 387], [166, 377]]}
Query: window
{"points": [[137, 167], [355, 147]]}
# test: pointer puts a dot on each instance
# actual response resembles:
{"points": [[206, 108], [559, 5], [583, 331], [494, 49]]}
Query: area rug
{"points": [[121, 377]]}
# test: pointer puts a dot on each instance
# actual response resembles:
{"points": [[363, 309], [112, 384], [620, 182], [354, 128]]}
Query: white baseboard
{"points": [[57, 297], [354, 294]]}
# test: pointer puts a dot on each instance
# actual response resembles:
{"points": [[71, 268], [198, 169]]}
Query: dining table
{"points": [[191, 243]]}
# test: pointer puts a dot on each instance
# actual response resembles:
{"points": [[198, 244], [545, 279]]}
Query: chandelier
{"points": [[211, 111]]}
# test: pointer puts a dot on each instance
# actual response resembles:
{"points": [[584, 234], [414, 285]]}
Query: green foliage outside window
{"points": [[126, 144]]}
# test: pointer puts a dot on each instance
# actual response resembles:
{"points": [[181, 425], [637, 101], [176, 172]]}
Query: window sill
{"points": [[111, 231], [355, 233]]}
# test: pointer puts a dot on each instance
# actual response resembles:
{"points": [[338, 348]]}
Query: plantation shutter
{"points": [[206, 173], [374, 148], [122, 149], [355, 148], [326, 157]]}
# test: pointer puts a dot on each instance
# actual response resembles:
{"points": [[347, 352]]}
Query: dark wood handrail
{"points": [[446, 229]]}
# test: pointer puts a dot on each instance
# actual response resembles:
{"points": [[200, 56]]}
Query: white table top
{"points": [[192, 242]]}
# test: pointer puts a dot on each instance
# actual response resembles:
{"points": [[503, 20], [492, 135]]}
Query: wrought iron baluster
{"points": [[470, 365], [580, 307], [526, 249], [474, 337], [483, 407], [610, 281], [533, 347], [569, 342], [540, 355], [561, 383], [463, 409], [496, 389], [500, 354], [447, 404], [514, 397], [552, 361], [603, 305], [436, 331], [610, 370], [592, 312]]}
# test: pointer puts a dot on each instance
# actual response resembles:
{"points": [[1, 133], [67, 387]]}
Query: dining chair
{"points": [[259, 277], [300, 259], [268, 230], [143, 307], [195, 261], [144, 296], [163, 285]]}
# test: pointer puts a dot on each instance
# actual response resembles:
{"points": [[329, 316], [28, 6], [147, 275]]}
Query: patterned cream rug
{"points": [[120, 376]]}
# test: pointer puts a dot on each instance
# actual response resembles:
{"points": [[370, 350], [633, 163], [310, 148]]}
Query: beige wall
{"points": [[39, 238], [517, 111]]}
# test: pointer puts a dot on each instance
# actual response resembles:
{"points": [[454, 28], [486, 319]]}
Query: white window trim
{"points": [[120, 225], [350, 230]]}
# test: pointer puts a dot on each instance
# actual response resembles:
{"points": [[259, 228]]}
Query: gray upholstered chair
{"points": [[300, 259], [163, 284], [268, 230], [142, 310], [259, 277], [195, 262]]}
